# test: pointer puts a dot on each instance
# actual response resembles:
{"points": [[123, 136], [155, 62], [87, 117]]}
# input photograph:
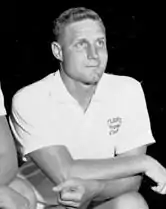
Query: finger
{"points": [[64, 186], [57, 188], [74, 196], [69, 183], [163, 190], [67, 193], [67, 207], [69, 203], [158, 188]]}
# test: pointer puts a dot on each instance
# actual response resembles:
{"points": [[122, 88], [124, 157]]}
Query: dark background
{"points": [[134, 45]]}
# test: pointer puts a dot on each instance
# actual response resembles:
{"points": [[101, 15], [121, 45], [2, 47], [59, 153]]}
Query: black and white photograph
{"points": [[82, 111]]}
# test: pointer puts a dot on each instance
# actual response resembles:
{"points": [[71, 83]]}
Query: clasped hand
{"points": [[76, 192]]}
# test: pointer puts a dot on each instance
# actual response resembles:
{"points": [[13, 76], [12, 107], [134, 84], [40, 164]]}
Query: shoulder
{"points": [[33, 95], [122, 84], [120, 80]]}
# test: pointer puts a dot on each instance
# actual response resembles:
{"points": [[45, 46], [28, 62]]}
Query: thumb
{"points": [[57, 188], [60, 186], [69, 184], [157, 189]]}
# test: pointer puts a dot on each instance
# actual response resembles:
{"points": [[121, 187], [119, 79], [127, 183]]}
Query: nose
{"points": [[92, 52]]}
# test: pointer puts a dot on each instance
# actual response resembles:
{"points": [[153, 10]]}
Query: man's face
{"points": [[84, 51]]}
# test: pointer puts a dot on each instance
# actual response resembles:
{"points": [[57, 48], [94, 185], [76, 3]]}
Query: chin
{"points": [[92, 81], [91, 78]]}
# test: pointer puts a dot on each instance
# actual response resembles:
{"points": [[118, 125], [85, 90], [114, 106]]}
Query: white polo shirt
{"points": [[116, 121], [2, 108]]}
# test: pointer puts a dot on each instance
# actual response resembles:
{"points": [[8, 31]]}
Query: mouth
{"points": [[92, 66]]}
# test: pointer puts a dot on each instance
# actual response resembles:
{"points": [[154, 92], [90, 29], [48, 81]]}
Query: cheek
{"points": [[78, 58], [103, 57], [74, 60], [69, 58]]}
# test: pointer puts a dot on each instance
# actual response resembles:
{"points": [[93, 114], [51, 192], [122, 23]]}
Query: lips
{"points": [[92, 66]]}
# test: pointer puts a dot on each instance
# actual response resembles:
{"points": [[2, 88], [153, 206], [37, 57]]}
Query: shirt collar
{"points": [[101, 90], [62, 94]]}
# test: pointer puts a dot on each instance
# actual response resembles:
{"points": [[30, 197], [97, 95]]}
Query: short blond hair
{"points": [[73, 15]]}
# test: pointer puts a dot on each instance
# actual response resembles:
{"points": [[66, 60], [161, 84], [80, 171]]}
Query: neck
{"points": [[78, 90]]}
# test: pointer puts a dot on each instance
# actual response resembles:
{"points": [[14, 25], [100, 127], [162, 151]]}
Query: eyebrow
{"points": [[86, 40], [102, 38]]}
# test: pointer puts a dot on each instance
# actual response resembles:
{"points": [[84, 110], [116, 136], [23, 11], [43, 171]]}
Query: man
{"points": [[15, 193], [85, 128]]}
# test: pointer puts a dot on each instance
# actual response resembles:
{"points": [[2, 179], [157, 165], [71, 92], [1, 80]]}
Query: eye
{"points": [[81, 45], [100, 43]]}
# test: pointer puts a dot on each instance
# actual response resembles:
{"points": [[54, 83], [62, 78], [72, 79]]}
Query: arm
{"points": [[98, 190], [76, 192], [58, 165], [113, 188], [8, 155], [55, 161], [11, 199]]}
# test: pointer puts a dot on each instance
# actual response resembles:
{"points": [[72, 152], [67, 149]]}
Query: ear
{"points": [[57, 50]]}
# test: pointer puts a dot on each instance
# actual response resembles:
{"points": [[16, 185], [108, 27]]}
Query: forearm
{"points": [[7, 171], [58, 165], [98, 190], [113, 188], [8, 155], [17, 194], [114, 168], [23, 187]]}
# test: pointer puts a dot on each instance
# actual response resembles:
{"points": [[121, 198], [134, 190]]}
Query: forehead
{"points": [[89, 29]]}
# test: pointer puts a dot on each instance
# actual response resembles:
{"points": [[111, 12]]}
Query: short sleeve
{"points": [[136, 128], [28, 123], [2, 107]]}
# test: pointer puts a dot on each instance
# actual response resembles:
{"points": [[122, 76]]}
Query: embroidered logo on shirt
{"points": [[114, 125]]}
